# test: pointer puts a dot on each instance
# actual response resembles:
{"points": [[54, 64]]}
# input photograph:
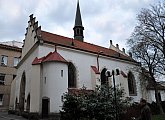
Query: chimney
{"points": [[110, 42], [130, 54], [117, 46], [123, 50]]}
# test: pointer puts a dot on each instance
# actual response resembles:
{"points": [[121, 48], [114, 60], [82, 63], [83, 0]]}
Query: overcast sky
{"points": [[103, 20]]}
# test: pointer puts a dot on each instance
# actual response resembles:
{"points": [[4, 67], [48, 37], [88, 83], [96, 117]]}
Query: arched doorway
{"points": [[104, 79], [22, 92], [71, 76], [28, 104]]}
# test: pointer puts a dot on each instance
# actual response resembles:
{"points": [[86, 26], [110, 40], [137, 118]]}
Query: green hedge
{"points": [[159, 117]]}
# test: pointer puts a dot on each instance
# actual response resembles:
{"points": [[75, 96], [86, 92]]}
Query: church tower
{"points": [[78, 27]]}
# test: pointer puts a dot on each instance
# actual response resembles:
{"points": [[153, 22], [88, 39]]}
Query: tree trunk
{"points": [[157, 98]]}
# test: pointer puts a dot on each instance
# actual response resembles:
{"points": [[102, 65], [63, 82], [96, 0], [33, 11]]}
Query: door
{"points": [[45, 107]]}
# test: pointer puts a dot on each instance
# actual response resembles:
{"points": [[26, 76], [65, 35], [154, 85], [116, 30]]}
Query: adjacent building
{"points": [[10, 53]]}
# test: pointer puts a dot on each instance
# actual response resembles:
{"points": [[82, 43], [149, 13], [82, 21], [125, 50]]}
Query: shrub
{"points": [[98, 104]]}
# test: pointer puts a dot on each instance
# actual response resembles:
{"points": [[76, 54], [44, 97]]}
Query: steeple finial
{"points": [[78, 21], [78, 27]]}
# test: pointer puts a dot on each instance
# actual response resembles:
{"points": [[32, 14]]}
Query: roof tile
{"points": [[83, 46], [54, 57], [49, 58]]}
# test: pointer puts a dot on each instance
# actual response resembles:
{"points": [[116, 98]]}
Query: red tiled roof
{"points": [[37, 61], [54, 57], [49, 58], [78, 91], [83, 46], [95, 69]]}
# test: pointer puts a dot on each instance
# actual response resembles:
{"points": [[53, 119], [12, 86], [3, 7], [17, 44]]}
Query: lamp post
{"points": [[115, 96], [113, 77]]}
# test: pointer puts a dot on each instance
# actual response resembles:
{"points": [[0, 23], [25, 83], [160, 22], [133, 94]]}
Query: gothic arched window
{"points": [[104, 79], [71, 76], [22, 92], [131, 84]]}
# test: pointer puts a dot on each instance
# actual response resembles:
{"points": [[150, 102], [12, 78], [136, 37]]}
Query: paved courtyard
{"points": [[6, 116]]}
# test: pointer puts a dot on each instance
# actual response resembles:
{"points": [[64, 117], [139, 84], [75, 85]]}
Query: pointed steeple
{"points": [[78, 27]]}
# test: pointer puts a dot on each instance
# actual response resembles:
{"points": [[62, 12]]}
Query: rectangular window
{"points": [[62, 73], [4, 60], [1, 99], [2, 79], [45, 80], [16, 61]]}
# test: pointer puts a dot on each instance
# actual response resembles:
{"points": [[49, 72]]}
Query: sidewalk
{"points": [[6, 116]]}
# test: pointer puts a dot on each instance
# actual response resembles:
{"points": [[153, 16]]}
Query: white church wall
{"points": [[45, 50], [95, 78], [151, 95], [35, 90], [27, 68], [112, 64], [162, 92], [55, 83], [82, 62]]}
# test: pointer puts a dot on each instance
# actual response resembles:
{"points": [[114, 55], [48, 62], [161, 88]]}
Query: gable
{"points": [[31, 35]]}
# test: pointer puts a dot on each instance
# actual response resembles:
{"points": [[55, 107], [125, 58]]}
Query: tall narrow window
{"points": [[4, 60], [62, 73], [71, 76], [16, 61], [2, 79], [1, 99], [45, 80], [131, 84]]}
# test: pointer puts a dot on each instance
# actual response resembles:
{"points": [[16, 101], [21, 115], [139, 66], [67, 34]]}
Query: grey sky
{"points": [[103, 20]]}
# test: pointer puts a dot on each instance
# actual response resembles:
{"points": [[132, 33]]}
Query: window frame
{"points": [[3, 62], [132, 84], [16, 58], [2, 82], [1, 99]]}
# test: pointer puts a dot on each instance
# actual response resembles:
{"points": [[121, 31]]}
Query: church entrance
{"points": [[45, 107]]}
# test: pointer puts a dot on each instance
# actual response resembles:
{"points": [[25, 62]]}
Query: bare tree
{"points": [[147, 43]]}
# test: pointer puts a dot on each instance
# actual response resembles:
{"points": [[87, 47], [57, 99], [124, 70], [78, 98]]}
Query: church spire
{"points": [[78, 27]]}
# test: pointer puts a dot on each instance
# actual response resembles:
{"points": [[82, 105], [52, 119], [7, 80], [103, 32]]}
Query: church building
{"points": [[52, 64]]}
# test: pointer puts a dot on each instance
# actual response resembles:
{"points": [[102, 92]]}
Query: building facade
{"points": [[52, 65], [9, 56]]}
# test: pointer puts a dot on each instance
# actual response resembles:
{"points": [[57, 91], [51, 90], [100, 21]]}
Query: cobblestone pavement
{"points": [[6, 116]]}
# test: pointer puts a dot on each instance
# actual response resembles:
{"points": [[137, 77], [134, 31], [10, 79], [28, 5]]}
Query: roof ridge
{"points": [[83, 46], [55, 34], [78, 40]]}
